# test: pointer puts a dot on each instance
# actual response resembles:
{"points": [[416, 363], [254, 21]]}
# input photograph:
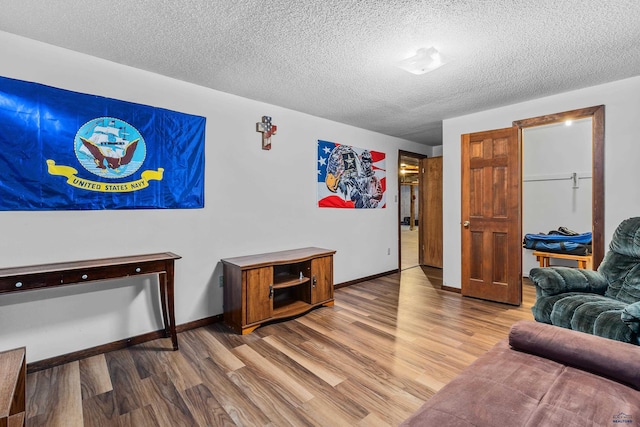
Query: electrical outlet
{"points": [[220, 281], [388, 251]]}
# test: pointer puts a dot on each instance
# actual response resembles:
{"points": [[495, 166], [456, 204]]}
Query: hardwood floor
{"points": [[371, 360], [409, 247]]}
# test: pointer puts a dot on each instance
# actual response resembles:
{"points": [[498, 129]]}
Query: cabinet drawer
{"points": [[104, 273], [30, 281], [144, 268], [87, 275]]}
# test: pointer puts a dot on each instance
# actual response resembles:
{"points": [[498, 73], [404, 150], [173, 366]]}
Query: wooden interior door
{"points": [[491, 223], [431, 209]]}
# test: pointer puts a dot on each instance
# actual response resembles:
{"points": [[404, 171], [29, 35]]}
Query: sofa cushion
{"points": [[502, 387], [609, 324], [584, 316], [631, 317], [529, 384], [544, 305], [564, 308], [613, 359], [579, 398]]}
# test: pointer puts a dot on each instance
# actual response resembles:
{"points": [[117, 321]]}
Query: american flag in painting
{"points": [[350, 177]]}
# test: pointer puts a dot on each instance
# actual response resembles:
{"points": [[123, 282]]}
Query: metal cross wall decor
{"points": [[267, 130]]}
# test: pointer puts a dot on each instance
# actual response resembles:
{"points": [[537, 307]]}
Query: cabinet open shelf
{"points": [[285, 281], [276, 285], [291, 308]]}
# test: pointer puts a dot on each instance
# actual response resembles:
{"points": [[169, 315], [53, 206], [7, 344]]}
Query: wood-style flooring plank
{"points": [[328, 412], [151, 360], [61, 393], [278, 377], [100, 410], [218, 351], [144, 416], [94, 376], [350, 316], [269, 399], [232, 398], [335, 401], [168, 405], [391, 407], [384, 348], [205, 407], [181, 371], [318, 368], [127, 385]]}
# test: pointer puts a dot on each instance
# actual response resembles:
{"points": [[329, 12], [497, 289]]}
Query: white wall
{"points": [[622, 153], [255, 201]]}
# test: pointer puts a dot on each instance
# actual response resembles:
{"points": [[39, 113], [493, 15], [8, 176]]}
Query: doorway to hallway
{"points": [[409, 210]]}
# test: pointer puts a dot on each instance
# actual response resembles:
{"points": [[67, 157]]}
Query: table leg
{"points": [[166, 298], [162, 280]]}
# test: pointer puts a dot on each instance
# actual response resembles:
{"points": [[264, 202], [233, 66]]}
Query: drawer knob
{"points": [[18, 284], [84, 277], [138, 270]]}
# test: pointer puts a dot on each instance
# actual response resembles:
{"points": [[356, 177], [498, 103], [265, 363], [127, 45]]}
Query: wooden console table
{"points": [[20, 279]]}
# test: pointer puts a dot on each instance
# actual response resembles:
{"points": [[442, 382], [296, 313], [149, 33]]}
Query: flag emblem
{"points": [[110, 148]]}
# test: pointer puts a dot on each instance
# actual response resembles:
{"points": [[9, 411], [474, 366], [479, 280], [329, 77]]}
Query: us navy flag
{"points": [[66, 150]]}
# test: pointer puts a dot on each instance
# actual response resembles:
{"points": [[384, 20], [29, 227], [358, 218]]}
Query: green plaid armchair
{"points": [[604, 302]]}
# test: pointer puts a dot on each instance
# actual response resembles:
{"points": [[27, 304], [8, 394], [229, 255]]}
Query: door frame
{"points": [[596, 113], [401, 154]]}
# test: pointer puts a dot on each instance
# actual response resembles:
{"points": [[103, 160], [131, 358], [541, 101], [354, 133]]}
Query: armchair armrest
{"points": [[557, 280], [631, 316]]}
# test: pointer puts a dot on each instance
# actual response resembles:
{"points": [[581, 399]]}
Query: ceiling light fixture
{"points": [[425, 60]]}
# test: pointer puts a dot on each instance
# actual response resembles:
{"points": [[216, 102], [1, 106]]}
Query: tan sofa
{"points": [[542, 375]]}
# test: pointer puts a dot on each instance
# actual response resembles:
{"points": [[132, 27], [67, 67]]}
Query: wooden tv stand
{"points": [[275, 285]]}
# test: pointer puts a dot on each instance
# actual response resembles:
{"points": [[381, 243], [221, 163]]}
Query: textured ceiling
{"points": [[335, 58]]}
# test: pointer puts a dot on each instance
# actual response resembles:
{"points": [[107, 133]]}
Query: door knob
{"points": [[466, 224]]}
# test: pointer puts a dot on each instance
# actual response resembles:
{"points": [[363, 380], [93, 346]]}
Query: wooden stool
{"points": [[12, 387], [584, 261]]}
